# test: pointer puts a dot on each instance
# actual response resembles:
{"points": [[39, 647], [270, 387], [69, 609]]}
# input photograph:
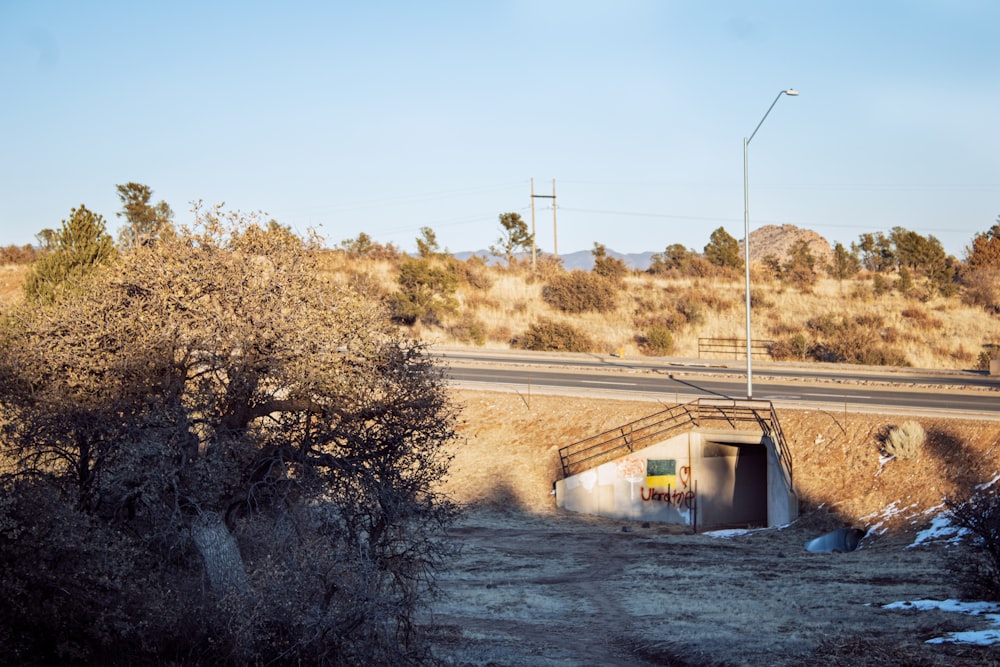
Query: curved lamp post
{"points": [[746, 230]]}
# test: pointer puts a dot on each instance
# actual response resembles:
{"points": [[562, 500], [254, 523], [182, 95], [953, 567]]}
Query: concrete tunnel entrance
{"points": [[734, 484], [702, 479]]}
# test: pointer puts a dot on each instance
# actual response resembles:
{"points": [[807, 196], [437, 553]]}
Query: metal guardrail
{"points": [[595, 450], [603, 447], [735, 347]]}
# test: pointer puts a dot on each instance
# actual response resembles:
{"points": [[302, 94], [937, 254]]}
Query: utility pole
{"points": [[533, 251], [555, 234]]}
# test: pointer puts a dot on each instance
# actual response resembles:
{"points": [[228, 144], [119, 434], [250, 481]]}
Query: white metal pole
{"points": [[746, 261], [746, 231]]}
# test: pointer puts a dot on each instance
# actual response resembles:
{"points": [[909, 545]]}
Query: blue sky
{"points": [[385, 117]]}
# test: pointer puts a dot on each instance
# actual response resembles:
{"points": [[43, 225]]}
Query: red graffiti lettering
{"points": [[677, 498]]}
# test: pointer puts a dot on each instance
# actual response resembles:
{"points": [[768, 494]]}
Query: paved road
{"points": [[853, 388]]}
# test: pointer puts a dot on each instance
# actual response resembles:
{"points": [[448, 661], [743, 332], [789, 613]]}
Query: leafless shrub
{"points": [[982, 288], [861, 651], [473, 301], [468, 329], [550, 336], [580, 292], [921, 319], [861, 292], [983, 361], [474, 272], [870, 320], [690, 311], [501, 332], [781, 328], [977, 571], [857, 340], [13, 254], [794, 347]]}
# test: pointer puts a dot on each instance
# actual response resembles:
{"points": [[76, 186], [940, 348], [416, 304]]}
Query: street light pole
{"points": [[746, 231]]}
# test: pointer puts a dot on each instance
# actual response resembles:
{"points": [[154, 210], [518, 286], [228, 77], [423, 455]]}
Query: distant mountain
{"points": [[581, 259], [767, 240], [584, 259]]}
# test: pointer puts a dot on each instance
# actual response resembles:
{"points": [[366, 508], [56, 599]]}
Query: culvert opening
{"points": [[733, 484]]}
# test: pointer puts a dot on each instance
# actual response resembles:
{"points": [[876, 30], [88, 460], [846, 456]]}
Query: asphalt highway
{"points": [[851, 388]]}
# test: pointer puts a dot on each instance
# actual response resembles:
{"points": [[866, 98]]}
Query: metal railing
{"points": [[595, 450], [732, 413], [734, 347]]}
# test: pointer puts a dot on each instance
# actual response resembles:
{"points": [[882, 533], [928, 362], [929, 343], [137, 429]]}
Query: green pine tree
{"points": [[78, 249]]}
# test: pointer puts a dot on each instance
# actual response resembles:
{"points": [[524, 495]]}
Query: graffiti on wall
{"points": [[668, 483], [679, 498], [633, 470], [659, 480], [661, 473]]}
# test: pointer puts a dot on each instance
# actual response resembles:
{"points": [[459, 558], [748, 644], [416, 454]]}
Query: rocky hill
{"points": [[778, 241]]}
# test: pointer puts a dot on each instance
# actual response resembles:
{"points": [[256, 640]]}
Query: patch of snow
{"points": [[940, 530], [989, 483], [879, 527], [732, 532], [736, 532], [882, 460], [876, 521], [988, 610]]}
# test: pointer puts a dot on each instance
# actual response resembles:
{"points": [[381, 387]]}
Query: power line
{"points": [[348, 207], [646, 215], [817, 186]]}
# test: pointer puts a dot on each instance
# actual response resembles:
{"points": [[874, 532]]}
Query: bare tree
{"points": [[215, 395]]}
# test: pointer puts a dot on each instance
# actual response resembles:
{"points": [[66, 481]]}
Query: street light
{"points": [[746, 230]]}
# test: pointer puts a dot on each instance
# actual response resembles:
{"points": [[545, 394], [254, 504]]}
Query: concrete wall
{"points": [[701, 479]]}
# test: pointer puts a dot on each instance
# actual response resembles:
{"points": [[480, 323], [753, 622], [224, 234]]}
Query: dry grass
{"points": [[11, 279], [935, 332], [905, 440]]}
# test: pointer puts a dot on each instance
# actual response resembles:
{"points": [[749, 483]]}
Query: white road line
{"points": [[838, 396], [832, 397], [624, 384]]}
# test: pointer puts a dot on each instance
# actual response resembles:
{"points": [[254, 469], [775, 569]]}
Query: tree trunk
{"points": [[218, 548]]}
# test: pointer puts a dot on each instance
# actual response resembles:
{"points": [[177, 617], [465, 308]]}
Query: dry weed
{"points": [[905, 440]]}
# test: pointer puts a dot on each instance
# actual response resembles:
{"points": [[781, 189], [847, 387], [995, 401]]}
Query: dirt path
{"points": [[563, 590]]}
